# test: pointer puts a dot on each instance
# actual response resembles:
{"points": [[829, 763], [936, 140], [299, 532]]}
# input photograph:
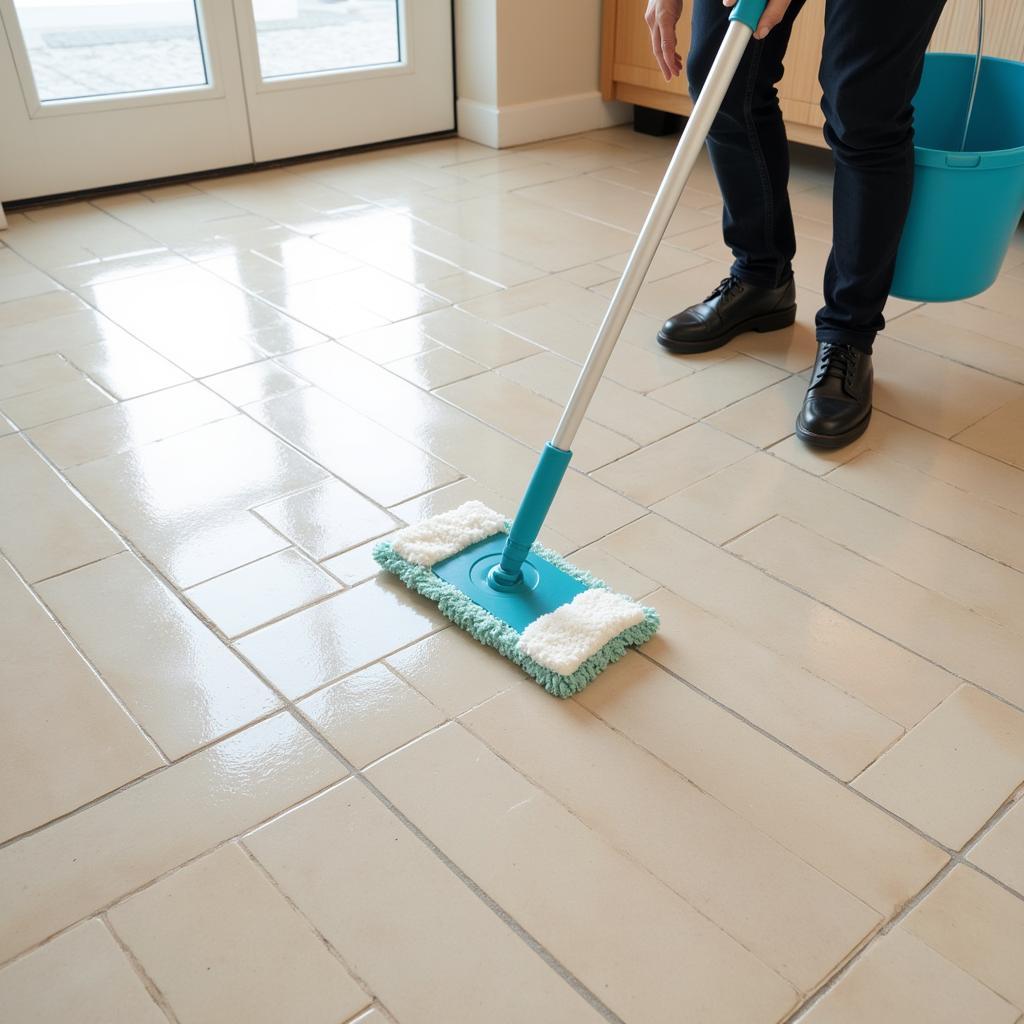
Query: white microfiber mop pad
{"points": [[563, 639], [444, 535]]}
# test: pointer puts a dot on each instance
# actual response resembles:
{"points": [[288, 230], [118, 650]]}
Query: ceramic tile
{"points": [[266, 589], [949, 510], [766, 417], [936, 394], [17, 312], [254, 383], [455, 672], [370, 713], [435, 368], [854, 658], [184, 932], [901, 979], [377, 894], [793, 348], [718, 386], [178, 680], [413, 266], [774, 904], [355, 565], [476, 339], [54, 403], [978, 926], [800, 709], [616, 574], [546, 237], [326, 519], [124, 367], [1003, 296], [864, 850], [36, 374], [616, 205], [82, 976], [62, 235], [952, 771], [999, 434], [532, 419], [81, 275], [930, 330], [930, 624], [184, 501], [613, 406], [654, 472], [588, 274], [279, 265], [198, 322], [45, 528], [26, 284], [668, 260], [353, 301], [127, 425], [78, 866], [494, 460], [614, 926], [371, 459], [352, 629], [66, 739], [998, 852]]}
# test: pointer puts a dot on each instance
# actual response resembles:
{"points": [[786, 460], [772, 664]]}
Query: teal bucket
{"points": [[966, 204]]}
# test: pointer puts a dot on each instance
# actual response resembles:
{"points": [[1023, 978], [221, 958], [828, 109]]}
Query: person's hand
{"points": [[661, 18], [773, 14]]}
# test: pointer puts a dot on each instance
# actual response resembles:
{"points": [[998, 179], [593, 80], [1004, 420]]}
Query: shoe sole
{"points": [[760, 324], [833, 441]]}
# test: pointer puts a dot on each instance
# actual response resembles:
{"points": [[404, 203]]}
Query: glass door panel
{"points": [[105, 92], [327, 74], [102, 92], [303, 37], [80, 49]]}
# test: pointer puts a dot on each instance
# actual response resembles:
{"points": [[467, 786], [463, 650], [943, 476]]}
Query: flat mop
{"points": [[491, 577]]}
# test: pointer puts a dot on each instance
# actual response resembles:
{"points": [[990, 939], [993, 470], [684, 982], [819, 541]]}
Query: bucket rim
{"points": [[988, 159]]}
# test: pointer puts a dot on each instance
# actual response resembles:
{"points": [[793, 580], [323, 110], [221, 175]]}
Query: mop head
{"points": [[564, 648]]}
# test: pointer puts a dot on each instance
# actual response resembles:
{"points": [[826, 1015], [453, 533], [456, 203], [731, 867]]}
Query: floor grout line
{"points": [[140, 971], [520, 931], [290, 705]]}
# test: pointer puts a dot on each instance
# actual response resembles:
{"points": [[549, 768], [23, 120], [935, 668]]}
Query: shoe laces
{"points": [[727, 284], [838, 361]]}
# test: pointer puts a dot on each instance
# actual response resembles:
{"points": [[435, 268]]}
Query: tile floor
{"points": [[244, 778]]}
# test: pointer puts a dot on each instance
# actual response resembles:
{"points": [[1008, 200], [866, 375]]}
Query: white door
{"points": [[355, 72], [103, 92]]}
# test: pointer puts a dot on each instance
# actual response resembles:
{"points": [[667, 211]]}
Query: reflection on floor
{"points": [[247, 779]]}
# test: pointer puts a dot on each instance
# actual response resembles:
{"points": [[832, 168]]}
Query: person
{"points": [[871, 65]]}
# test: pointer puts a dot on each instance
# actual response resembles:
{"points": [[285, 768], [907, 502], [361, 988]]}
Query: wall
{"points": [[528, 70]]}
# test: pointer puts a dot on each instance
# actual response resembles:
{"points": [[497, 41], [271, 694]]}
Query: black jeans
{"points": [[871, 65]]}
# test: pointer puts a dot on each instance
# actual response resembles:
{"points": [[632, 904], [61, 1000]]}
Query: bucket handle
{"points": [[974, 77]]}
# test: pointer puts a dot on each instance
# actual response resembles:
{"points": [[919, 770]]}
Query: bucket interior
{"points": [[941, 104]]}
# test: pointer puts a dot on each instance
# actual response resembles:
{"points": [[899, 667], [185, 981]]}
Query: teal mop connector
{"points": [[531, 515], [749, 12]]}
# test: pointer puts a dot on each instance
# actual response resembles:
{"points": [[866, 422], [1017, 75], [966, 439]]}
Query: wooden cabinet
{"points": [[629, 72]]}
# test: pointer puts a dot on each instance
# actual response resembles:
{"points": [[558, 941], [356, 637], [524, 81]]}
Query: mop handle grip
{"points": [[749, 12]]}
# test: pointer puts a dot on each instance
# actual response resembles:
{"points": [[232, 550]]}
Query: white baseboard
{"points": [[519, 123]]}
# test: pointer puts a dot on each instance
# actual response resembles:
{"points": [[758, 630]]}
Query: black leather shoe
{"points": [[732, 308], [837, 407]]}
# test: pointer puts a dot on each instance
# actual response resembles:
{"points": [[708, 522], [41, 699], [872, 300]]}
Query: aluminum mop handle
{"points": [[554, 459]]}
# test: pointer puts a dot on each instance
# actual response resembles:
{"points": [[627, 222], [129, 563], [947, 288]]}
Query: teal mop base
{"points": [[464, 597]]}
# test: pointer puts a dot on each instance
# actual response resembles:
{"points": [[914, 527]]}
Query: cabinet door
{"points": [[634, 64], [799, 92]]}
